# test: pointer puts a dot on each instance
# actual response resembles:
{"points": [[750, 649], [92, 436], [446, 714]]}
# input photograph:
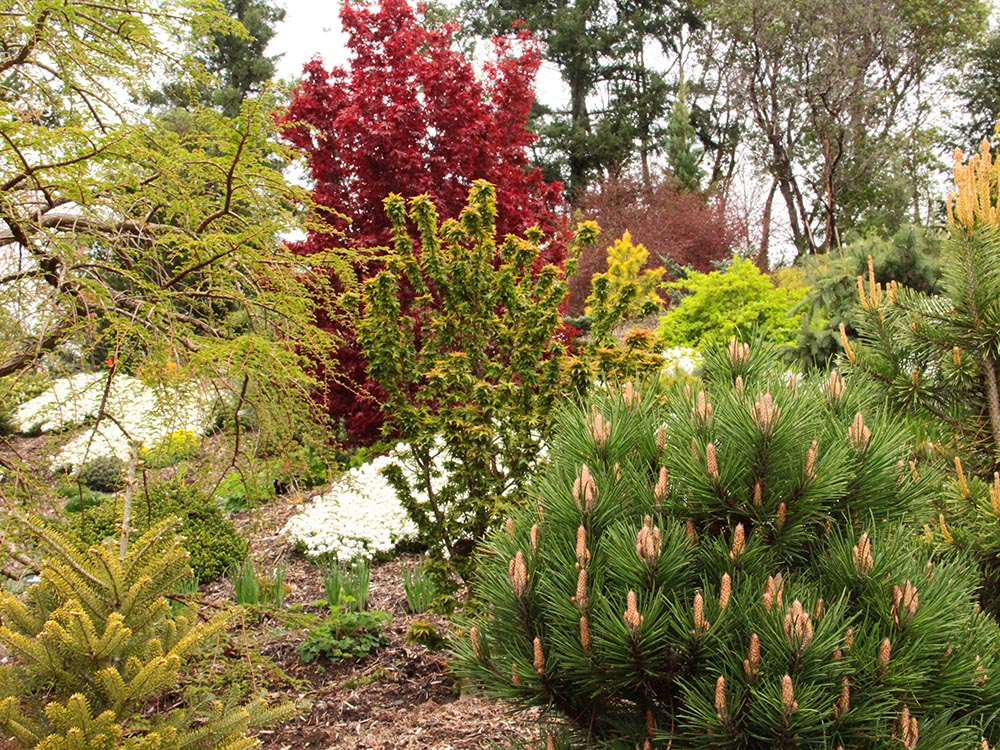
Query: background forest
{"points": [[682, 399]]}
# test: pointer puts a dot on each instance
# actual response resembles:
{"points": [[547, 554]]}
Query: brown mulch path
{"points": [[401, 697]]}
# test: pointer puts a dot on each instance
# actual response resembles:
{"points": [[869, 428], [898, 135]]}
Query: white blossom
{"points": [[146, 413], [360, 516]]}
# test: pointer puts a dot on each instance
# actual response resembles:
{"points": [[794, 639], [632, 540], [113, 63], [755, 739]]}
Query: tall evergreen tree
{"points": [[681, 147], [234, 65], [602, 50]]}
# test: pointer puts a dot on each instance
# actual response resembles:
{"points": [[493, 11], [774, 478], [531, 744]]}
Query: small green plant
{"points": [[173, 448], [78, 496], [425, 633], [254, 589], [273, 587], [239, 491], [215, 544], [358, 582], [103, 474], [96, 642], [420, 588], [346, 585], [333, 582], [345, 634], [246, 585]]}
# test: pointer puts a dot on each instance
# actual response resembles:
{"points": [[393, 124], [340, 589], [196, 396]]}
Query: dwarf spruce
{"points": [[97, 648]]}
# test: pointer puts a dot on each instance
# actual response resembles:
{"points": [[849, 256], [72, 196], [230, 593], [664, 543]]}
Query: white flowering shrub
{"points": [[680, 361], [360, 516], [146, 413]]}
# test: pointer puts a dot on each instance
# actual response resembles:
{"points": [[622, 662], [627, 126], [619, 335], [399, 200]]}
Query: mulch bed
{"points": [[403, 696]]}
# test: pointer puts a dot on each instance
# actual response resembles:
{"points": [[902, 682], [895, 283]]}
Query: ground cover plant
{"points": [[735, 567]]}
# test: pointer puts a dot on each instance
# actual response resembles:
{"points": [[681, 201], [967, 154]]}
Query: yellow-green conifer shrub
{"points": [[461, 331], [737, 566], [95, 644], [627, 280]]}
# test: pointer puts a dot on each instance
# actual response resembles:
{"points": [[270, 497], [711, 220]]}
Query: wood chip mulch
{"points": [[401, 697]]}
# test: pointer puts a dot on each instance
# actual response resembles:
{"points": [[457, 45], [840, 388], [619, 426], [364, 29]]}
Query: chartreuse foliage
{"points": [[731, 568], [95, 644], [734, 302], [624, 293], [461, 337], [627, 281]]}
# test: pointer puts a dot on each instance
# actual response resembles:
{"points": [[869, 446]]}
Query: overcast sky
{"points": [[311, 27]]}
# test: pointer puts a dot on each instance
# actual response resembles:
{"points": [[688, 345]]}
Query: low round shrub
{"points": [[733, 568], [739, 301], [103, 474], [172, 448], [212, 540]]}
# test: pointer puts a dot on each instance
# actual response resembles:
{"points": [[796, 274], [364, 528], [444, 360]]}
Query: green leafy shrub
{"points": [[475, 380], [733, 568], [96, 643], [173, 448], [215, 545], [734, 302], [103, 474], [345, 634], [261, 480], [425, 633], [78, 496]]}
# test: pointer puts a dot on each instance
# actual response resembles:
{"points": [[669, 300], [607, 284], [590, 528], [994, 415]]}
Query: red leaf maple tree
{"points": [[409, 115]]}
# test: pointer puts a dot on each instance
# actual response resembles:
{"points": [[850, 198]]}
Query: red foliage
{"points": [[410, 116], [686, 227]]}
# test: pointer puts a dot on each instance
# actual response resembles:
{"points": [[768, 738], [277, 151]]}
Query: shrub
{"points": [[734, 302], [729, 570], [679, 229], [345, 634], [626, 262], [103, 474], [462, 337], [215, 545], [909, 258], [411, 114], [96, 643]]}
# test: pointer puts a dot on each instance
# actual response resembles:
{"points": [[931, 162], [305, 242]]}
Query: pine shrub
{"points": [[97, 648], [732, 566]]}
